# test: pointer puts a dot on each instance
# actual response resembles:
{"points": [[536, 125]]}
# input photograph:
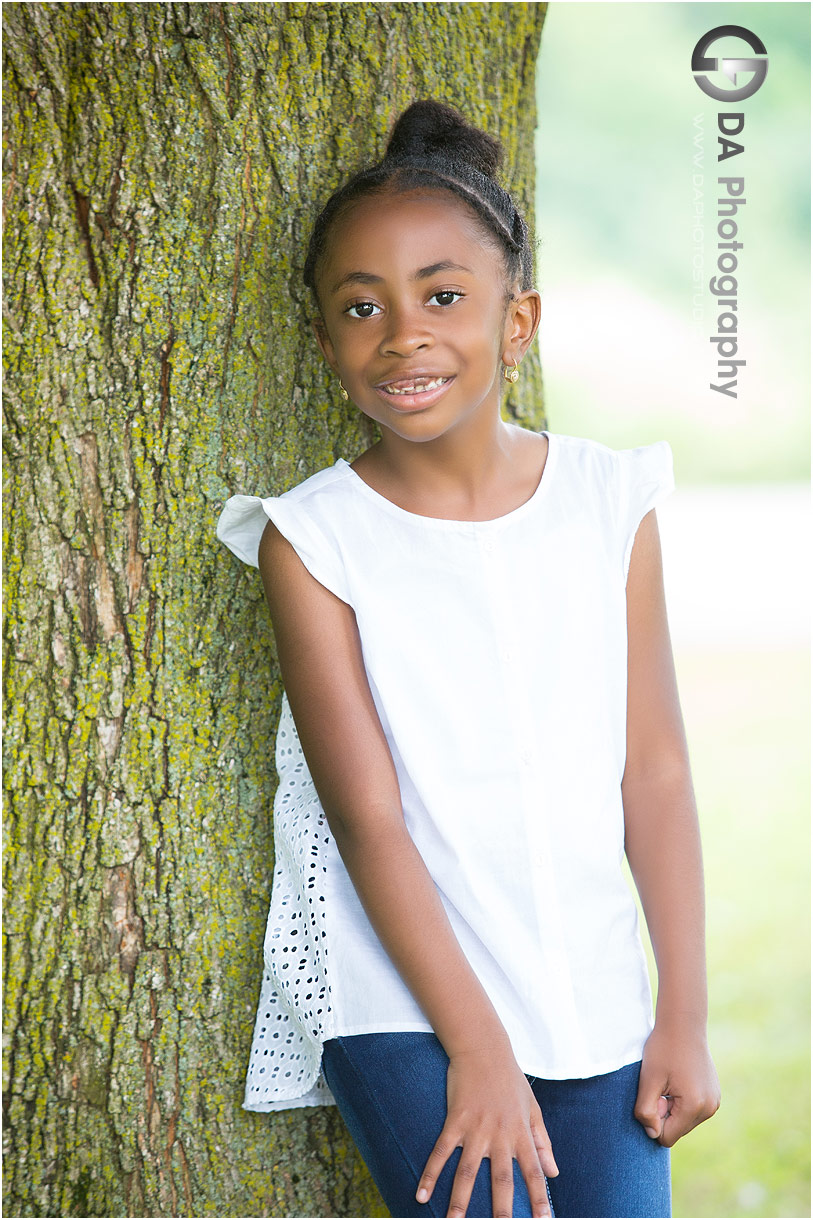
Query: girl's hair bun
{"points": [[434, 148], [433, 129]]}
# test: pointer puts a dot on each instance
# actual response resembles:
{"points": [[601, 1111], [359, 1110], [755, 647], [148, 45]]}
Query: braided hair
{"points": [[433, 147]]}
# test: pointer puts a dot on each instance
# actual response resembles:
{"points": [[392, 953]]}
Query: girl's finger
{"points": [[463, 1184], [502, 1186], [675, 1126], [535, 1182], [443, 1149], [647, 1104], [684, 1115], [543, 1149]]}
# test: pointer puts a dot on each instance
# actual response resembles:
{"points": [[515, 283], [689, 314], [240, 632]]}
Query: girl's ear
{"points": [[323, 339], [521, 323]]}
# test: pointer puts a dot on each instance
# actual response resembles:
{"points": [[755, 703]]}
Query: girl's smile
{"points": [[416, 391]]}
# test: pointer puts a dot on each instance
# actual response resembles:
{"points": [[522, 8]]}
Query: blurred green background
{"points": [[626, 362], [621, 351]]}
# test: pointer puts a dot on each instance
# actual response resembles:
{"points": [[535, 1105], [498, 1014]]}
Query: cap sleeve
{"points": [[646, 478], [244, 518]]}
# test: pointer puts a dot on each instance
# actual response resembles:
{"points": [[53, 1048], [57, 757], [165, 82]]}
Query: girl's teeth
{"points": [[417, 387]]}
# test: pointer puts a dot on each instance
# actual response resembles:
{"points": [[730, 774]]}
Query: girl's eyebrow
{"points": [[367, 277], [445, 265]]}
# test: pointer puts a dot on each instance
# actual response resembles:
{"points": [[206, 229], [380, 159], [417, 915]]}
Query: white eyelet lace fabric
{"points": [[294, 1014]]}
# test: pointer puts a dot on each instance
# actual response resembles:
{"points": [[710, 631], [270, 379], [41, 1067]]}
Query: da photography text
{"points": [[731, 196]]}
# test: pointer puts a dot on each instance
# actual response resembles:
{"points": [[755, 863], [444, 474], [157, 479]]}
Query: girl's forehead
{"points": [[409, 210], [408, 218]]}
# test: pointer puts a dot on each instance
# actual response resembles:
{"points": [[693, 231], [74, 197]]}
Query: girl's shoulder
{"points": [[325, 482], [240, 509], [615, 487], [303, 513], [596, 455], [607, 476]]}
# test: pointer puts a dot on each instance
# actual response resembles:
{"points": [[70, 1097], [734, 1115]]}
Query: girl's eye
{"points": [[446, 296], [362, 309]]}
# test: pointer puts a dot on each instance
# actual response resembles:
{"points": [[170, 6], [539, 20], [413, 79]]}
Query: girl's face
{"points": [[416, 315]]}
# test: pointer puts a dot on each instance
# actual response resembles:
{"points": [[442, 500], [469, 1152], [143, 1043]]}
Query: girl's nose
{"points": [[407, 333]]}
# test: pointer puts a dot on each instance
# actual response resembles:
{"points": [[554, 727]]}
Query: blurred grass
{"points": [[748, 723]]}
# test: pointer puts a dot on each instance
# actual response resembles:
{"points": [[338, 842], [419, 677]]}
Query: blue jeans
{"points": [[391, 1093]]}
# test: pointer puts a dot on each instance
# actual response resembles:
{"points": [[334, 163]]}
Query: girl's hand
{"points": [[491, 1112], [678, 1088]]}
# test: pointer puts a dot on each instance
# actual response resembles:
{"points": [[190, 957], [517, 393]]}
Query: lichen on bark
{"points": [[162, 165]]}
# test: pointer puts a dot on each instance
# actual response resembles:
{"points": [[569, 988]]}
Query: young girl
{"points": [[480, 719]]}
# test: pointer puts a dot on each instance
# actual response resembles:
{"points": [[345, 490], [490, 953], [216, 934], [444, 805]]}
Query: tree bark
{"points": [[162, 166]]}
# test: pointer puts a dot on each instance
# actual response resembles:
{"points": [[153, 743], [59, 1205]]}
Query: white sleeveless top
{"points": [[496, 653]]}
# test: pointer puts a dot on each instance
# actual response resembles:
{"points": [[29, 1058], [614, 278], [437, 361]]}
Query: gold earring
{"points": [[511, 375], [343, 392]]}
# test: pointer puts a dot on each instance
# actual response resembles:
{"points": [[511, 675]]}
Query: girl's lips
{"points": [[401, 398]]}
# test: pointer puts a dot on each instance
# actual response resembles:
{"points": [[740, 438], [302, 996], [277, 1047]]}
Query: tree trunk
{"points": [[162, 166]]}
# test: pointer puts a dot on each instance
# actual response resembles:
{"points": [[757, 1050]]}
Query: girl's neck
{"points": [[478, 470]]}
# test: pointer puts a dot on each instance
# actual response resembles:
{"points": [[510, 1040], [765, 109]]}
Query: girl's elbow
{"points": [[356, 824], [665, 766]]}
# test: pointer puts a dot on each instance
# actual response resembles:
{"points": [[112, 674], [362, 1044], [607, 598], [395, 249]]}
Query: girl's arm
{"points": [[663, 849], [492, 1111]]}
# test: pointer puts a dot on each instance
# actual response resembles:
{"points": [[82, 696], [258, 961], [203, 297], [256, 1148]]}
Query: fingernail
{"points": [[422, 1195], [651, 1132]]}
